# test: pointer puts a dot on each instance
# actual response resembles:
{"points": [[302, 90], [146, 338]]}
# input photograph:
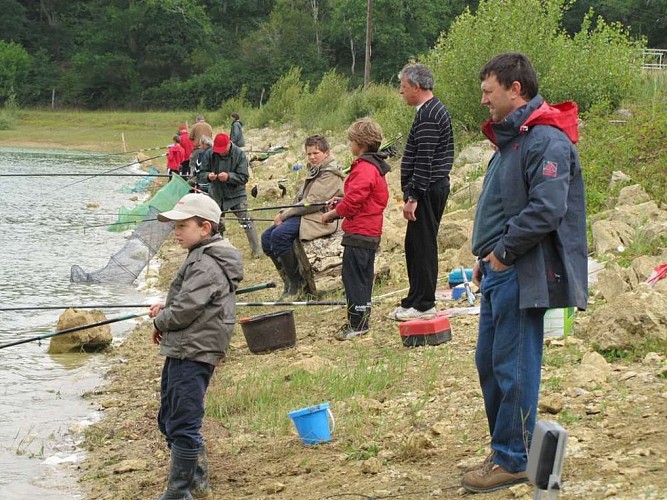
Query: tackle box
{"points": [[456, 277], [419, 332]]}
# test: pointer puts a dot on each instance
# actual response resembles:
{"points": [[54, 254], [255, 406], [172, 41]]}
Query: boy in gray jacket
{"points": [[193, 327]]}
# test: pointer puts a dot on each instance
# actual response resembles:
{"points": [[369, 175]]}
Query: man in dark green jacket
{"points": [[225, 168]]}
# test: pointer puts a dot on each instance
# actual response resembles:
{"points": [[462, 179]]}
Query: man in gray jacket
{"points": [[225, 168], [530, 239], [193, 327]]}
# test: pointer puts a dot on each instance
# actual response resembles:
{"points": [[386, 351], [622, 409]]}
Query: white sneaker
{"points": [[393, 314], [412, 313]]}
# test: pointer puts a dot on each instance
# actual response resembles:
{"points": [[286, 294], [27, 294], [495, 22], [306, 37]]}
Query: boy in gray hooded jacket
{"points": [[193, 327]]}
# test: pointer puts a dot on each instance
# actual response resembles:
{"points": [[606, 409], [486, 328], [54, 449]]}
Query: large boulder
{"points": [[611, 236], [88, 339], [630, 319]]}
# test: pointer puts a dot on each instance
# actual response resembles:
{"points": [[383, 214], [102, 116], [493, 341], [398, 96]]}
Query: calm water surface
{"points": [[42, 234]]}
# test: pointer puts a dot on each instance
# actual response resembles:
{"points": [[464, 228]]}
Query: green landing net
{"points": [[164, 200], [126, 264]]}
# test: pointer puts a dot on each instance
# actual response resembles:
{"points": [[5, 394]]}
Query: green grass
{"points": [[101, 130], [260, 401]]}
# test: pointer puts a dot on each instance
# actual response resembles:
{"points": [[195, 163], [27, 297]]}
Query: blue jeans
{"points": [[277, 240], [182, 389], [509, 363]]}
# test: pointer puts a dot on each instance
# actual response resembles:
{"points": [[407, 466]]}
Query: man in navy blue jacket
{"points": [[530, 240]]}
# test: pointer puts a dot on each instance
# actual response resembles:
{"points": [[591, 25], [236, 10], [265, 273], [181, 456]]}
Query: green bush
{"points": [[633, 143], [284, 96], [326, 107], [598, 64]]}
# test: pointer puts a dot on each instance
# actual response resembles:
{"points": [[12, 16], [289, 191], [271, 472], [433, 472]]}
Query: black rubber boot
{"points": [[181, 474], [291, 269], [283, 276], [201, 488]]}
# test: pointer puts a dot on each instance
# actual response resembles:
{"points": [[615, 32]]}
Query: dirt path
{"points": [[417, 442]]}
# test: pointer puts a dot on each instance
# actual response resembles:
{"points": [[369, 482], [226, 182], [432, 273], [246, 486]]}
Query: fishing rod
{"points": [[132, 152], [251, 219], [280, 207], [83, 175], [304, 303], [110, 170], [73, 329], [254, 288]]}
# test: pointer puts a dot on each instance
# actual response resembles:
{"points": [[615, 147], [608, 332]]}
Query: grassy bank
{"points": [[93, 130]]}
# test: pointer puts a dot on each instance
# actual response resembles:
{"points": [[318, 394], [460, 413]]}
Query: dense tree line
{"points": [[189, 53]]}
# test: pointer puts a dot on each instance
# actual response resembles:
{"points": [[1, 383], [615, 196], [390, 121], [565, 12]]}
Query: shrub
{"points": [[326, 107], [284, 95], [597, 65]]}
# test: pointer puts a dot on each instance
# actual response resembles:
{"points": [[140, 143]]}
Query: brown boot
{"points": [[479, 465], [492, 477]]}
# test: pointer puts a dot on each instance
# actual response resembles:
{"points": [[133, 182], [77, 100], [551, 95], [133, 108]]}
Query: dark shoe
{"points": [[291, 268], [181, 474], [492, 477], [347, 332], [200, 486], [480, 465]]}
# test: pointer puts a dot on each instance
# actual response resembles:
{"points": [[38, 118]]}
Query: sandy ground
{"points": [[617, 428]]}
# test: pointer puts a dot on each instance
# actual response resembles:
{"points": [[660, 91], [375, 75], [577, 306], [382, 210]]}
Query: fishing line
{"points": [[83, 175], [106, 172], [254, 288]]}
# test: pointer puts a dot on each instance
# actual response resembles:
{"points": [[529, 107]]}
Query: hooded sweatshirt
{"points": [[532, 211], [198, 319], [366, 197]]}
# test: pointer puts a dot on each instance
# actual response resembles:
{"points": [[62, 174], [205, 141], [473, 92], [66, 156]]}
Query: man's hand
{"points": [[409, 209], [211, 176], [477, 274], [496, 265], [223, 176]]}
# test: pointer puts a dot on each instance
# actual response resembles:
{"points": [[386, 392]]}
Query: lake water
{"points": [[44, 230]]}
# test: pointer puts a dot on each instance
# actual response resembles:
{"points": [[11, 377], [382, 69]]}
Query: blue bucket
{"points": [[312, 423]]}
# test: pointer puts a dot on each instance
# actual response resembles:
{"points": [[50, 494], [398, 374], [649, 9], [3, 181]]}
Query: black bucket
{"points": [[268, 332]]}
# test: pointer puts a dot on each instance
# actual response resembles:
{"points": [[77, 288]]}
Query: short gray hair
{"points": [[417, 75], [199, 118], [206, 140]]}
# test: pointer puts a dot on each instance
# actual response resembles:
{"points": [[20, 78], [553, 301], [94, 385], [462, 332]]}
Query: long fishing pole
{"points": [[109, 171], [137, 221], [83, 175], [132, 152], [304, 303], [280, 207], [254, 288], [73, 329]]}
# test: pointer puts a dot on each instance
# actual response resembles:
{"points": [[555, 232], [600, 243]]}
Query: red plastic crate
{"points": [[419, 332]]}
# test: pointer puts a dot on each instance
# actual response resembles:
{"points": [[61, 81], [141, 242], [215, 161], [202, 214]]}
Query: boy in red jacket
{"points": [[175, 155], [366, 197]]}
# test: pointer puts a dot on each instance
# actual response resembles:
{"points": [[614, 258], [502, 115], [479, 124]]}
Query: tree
{"points": [[14, 65]]}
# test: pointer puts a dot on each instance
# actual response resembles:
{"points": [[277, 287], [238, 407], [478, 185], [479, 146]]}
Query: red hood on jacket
{"points": [[562, 116]]}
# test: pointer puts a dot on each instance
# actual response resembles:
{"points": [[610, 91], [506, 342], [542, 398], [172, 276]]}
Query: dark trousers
{"points": [[182, 389], [421, 247], [277, 240], [358, 273]]}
